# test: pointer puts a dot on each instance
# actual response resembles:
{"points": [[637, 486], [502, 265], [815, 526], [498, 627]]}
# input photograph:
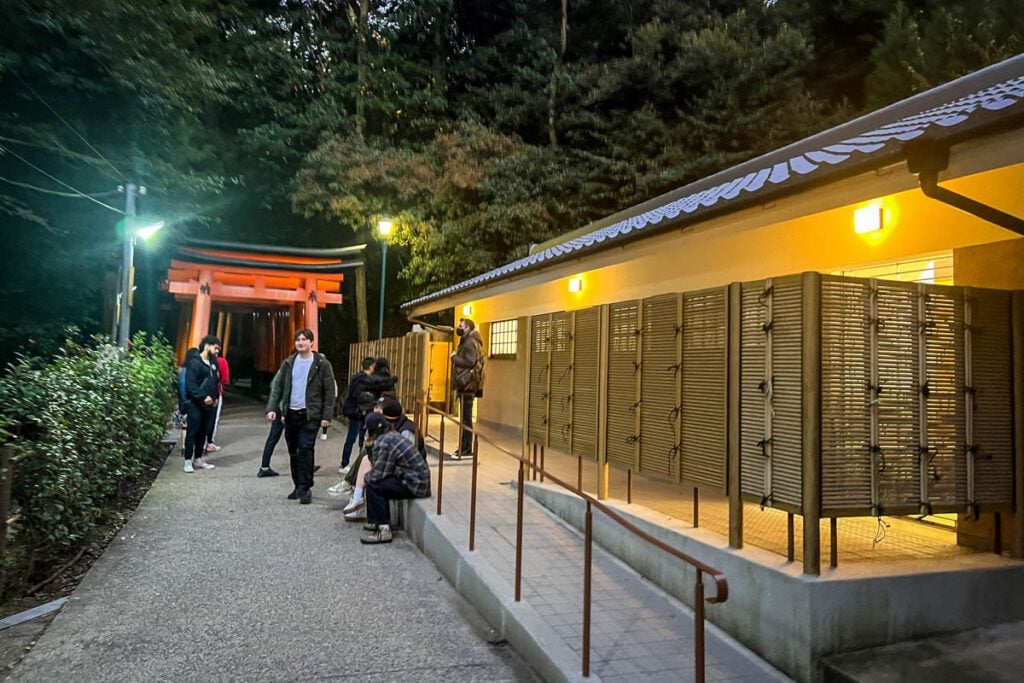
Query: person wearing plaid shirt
{"points": [[399, 472]]}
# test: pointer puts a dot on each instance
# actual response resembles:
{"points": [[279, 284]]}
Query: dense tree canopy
{"points": [[481, 126]]}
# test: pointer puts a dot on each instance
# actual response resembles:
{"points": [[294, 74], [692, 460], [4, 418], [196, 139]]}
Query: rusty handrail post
{"points": [[579, 472], [519, 532], [698, 625], [588, 540], [6, 477], [533, 464], [629, 486], [440, 466], [541, 473], [696, 507], [472, 494], [790, 541]]}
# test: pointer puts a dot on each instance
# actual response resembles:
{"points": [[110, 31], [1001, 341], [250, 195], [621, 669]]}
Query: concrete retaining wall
{"points": [[793, 620]]}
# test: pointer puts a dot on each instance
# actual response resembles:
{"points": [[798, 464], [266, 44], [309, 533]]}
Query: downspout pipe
{"points": [[927, 161]]}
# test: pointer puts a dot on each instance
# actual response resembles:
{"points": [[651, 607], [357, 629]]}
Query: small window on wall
{"points": [[504, 337], [932, 269]]}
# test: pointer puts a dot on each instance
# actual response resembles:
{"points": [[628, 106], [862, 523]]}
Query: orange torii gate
{"points": [[281, 289]]}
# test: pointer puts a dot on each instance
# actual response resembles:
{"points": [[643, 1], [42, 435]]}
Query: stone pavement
{"points": [[639, 633], [218, 578]]}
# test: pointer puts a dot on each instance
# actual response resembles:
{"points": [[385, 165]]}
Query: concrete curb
{"points": [[492, 595]]}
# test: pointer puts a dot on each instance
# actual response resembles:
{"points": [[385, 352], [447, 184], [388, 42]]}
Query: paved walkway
{"points": [[217, 577], [639, 633]]}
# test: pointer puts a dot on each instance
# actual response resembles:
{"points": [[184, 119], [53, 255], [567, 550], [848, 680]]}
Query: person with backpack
{"points": [[355, 410], [305, 396], [468, 380]]}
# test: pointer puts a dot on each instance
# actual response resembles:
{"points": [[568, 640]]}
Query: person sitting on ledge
{"points": [[399, 472]]}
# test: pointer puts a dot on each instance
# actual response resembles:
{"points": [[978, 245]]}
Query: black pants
{"points": [[355, 428], [200, 418], [300, 435], [379, 494], [466, 447], [276, 430]]}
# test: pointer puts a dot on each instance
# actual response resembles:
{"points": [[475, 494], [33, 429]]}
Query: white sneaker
{"points": [[354, 506], [339, 489], [356, 515], [212, 448], [345, 469], [188, 467], [323, 436], [202, 464]]}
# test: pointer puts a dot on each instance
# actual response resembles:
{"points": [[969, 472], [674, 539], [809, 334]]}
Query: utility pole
{"points": [[127, 266]]}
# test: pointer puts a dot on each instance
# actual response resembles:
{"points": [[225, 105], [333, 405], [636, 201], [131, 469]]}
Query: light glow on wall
{"points": [[867, 219], [467, 310], [576, 284]]}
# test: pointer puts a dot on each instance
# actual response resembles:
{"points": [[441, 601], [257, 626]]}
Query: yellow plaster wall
{"points": [[504, 388], [725, 250], [999, 265]]}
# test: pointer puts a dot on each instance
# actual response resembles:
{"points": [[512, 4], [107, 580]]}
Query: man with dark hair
{"points": [[202, 391], [399, 472], [303, 391], [468, 379], [355, 412]]}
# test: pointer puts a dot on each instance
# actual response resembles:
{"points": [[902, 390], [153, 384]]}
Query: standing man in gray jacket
{"points": [[303, 392], [468, 379]]}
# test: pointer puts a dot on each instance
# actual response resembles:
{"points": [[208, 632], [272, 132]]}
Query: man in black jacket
{"points": [[304, 394], [202, 391], [351, 410]]}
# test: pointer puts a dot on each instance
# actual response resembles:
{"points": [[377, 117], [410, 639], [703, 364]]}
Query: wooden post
{"points": [[733, 419], [181, 340], [201, 308], [220, 325], [833, 528], [226, 339], [812, 422], [362, 326], [1017, 542]]}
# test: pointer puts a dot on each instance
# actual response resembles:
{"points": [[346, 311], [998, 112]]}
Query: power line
{"points": [[60, 149], [36, 188], [70, 127], [59, 181]]}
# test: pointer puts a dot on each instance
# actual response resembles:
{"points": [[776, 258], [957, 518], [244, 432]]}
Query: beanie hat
{"points": [[391, 408]]}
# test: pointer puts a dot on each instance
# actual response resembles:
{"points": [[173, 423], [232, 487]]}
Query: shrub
{"points": [[82, 423]]}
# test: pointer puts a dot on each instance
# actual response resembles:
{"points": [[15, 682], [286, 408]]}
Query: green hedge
{"points": [[82, 422]]}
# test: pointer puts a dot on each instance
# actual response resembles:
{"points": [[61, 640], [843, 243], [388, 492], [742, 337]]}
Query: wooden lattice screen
{"points": [[586, 341], [409, 358]]}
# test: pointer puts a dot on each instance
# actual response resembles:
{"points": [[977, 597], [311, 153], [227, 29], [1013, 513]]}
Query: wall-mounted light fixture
{"points": [[467, 310], [576, 284], [867, 219]]}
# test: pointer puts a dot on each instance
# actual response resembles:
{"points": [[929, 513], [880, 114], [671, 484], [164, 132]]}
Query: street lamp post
{"points": [[384, 226], [128, 262]]}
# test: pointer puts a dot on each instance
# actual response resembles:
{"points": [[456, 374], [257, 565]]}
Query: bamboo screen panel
{"points": [[845, 379], [659, 386], [560, 414], [586, 352], [992, 373], [754, 318], [787, 391], [406, 356], [623, 321], [942, 470], [898, 406], [540, 349], [703, 399], [904, 369]]}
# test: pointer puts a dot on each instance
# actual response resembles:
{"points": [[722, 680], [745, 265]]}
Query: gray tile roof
{"points": [[967, 107]]}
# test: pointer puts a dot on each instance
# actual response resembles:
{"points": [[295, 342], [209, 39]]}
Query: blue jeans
{"points": [[355, 428]]}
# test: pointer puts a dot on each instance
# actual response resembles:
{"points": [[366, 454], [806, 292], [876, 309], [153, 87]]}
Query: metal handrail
{"points": [[721, 583]]}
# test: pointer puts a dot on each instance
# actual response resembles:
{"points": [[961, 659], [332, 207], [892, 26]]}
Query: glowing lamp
{"points": [[867, 219], [467, 310], [576, 284], [384, 226]]}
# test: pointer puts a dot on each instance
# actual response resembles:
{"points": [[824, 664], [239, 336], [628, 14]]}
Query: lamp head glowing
{"points": [[467, 310], [576, 284], [384, 226], [150, 230], [867, 219]]}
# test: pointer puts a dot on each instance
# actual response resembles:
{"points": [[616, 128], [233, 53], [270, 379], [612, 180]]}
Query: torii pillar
{"points": [[201, 309], [312, 317]]}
